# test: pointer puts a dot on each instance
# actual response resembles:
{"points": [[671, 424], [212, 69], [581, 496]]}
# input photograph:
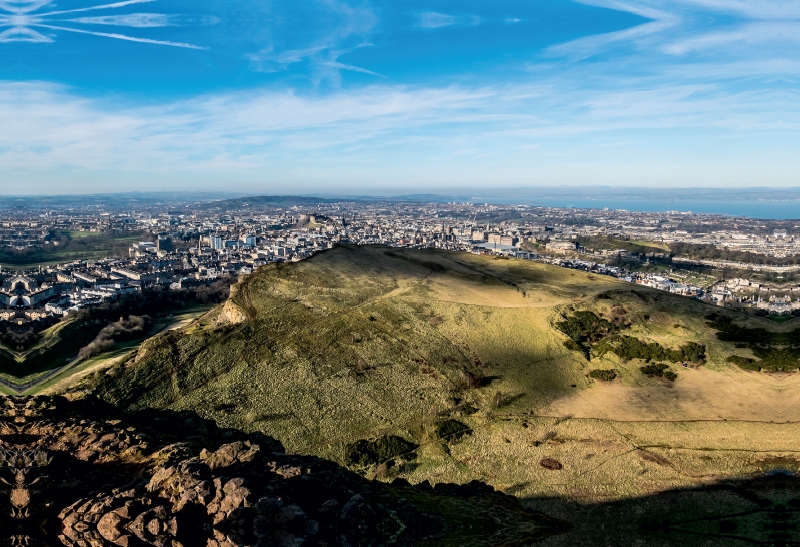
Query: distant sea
{"points": [[765, 203], [774, 210]]}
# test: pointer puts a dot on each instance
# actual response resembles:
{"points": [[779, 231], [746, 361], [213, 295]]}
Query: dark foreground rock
{"points": [[81, 474]]}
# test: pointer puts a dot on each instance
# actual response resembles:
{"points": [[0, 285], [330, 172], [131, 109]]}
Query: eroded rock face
{"points": [[76, 474]]}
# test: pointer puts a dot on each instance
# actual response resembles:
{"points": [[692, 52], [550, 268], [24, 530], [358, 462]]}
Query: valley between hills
{"points": [[580, 395]]}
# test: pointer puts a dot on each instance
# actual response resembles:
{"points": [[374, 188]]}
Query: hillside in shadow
{"points": [[763, 510]]}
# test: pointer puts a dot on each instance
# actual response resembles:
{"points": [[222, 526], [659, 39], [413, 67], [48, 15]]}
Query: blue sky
{"points": [[384, 96]]}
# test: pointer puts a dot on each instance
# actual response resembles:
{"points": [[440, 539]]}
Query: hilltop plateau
{"points": [[448, 367]]}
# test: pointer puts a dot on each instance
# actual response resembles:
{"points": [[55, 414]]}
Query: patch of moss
{"points": [[603, 375], [451, 430]]}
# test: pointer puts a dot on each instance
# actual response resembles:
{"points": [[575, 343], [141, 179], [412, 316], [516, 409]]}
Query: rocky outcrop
{"points": [[80, 474], [231, 314]]}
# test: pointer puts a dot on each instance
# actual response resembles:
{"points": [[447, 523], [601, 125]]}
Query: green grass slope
{"points": [[359, 340], [363, 342]]}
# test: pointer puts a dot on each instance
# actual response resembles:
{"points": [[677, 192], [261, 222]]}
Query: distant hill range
{"points": [[310, 201], [272, 201]]}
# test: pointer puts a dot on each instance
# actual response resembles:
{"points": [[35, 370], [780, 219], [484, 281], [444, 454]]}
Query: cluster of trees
{"points": [[139, 307], [628, 347], [769, 359], [125, 329], [584, 328], [661, 370], [597, 243], [217, 292], [744, 363], [589, 333], [728, 331], [712, 252]]}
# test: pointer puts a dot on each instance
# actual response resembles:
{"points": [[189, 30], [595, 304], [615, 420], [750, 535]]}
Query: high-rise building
{"points": [[164, 244]]}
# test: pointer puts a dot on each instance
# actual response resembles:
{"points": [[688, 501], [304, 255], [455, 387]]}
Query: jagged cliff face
{"points": [[78, 474]]}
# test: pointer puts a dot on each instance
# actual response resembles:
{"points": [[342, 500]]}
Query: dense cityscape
{"points": [[179, 245]]}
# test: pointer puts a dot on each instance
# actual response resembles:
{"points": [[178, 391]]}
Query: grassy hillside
{"points": [[465, 358]]}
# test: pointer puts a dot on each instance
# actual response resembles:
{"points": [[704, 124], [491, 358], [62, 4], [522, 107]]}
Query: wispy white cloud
{"points": [[749, 35], [343, 28], [434, 20], [49, 127], [23, 34], [753, 9], [748, 44], [675, 74], [694, 25], [660, 23]]}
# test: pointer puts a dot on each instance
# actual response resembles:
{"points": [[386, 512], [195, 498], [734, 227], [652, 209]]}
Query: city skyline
{"points": [[167, 94]]}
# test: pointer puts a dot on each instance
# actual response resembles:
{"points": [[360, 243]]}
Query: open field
{"points": [[362, 342], [73, 246], [77, 234]]}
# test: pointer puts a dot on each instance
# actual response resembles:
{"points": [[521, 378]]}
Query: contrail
{"points": [[104, 6], [122, 36]]}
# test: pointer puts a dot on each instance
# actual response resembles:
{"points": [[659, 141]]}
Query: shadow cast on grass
{"points": [[764, 510]]}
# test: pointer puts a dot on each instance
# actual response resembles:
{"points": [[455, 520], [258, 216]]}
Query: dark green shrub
{"points": [[654, 369], [573, 345], [604, 375], [451, 430], [388, 447], [777, 359], [692, 352], [669, 375], [628, 347], [744, 363], [585, 326]]}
